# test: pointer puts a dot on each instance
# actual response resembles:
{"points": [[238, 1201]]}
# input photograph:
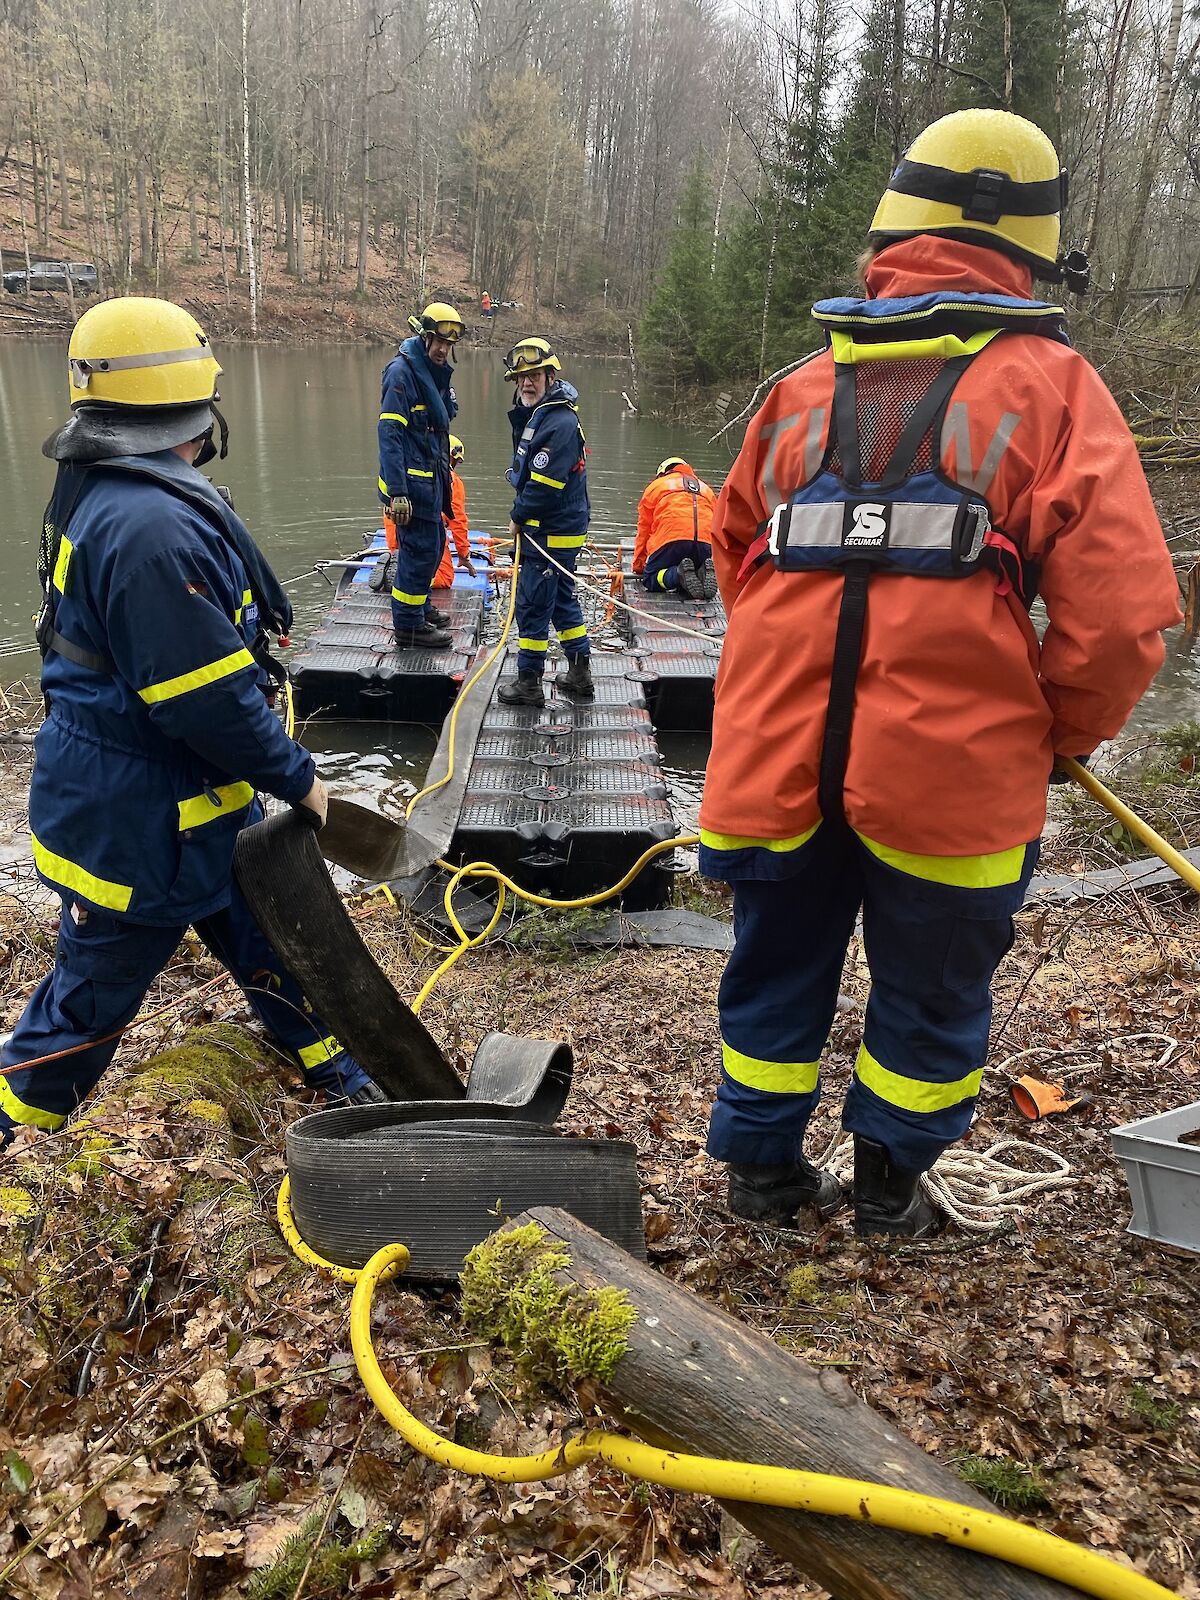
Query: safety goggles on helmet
{"points": [[442, 328], [531, 355]]}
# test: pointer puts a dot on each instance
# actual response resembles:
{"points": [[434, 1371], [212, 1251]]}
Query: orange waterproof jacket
{"points": [[959, 708], [458, 530], [668, 511]]}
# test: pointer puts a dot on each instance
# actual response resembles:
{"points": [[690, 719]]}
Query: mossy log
{"points": [[697, 1380]]}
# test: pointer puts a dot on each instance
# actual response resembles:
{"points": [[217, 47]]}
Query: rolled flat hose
{"points": [[364, 1176]]}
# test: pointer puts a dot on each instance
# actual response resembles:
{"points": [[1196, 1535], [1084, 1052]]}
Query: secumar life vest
{"points": [[882, 504]]}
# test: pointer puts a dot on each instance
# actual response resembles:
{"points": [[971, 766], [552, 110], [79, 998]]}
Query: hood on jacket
{"points": [[928, 261]]}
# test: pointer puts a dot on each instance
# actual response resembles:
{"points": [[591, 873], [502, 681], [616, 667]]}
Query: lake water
{"points": [[302, 469]]}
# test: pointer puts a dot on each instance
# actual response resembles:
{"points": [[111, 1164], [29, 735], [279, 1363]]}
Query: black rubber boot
{"points": [[775, 1194], [689, 579], [383, 573], [523, 690], [423, 637], [436, 616], [577, 679], [887, 1198], [708, 580]]}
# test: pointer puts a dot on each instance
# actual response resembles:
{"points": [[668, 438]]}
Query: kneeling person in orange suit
{"points": [[674, 535]]}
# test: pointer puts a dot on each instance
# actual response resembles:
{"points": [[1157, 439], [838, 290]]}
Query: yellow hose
{"points": [[984, 1532], [1130, 820]]}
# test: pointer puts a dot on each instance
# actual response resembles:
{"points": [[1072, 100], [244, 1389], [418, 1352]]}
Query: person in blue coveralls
{"points": [[416, 409], [158, 733], [549, 520]]}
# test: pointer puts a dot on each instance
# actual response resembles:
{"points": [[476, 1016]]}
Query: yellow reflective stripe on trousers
{"points": [[551, 483], [774, 1077], [913, 1094], [942, 347], [170, 688], [28, 1116], [661, 577], [960, 872], [392, 416], [565, 541], [409, 599], [247, 597], [568, 634], [312, 1055], [532, 644], [743, 841], [70, 875], [199, 809], [63, 564]]}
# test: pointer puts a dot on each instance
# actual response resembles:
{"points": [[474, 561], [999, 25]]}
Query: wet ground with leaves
{"points": [[1055, 1364]]}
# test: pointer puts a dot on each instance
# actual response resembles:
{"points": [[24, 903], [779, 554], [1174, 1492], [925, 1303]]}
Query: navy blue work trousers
{"points": [[417, 557], [103, 968], [662, 568], [932, 948], [546, 596]]}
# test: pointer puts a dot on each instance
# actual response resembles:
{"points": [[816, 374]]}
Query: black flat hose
{"points": [[281, 873], [366, 1176]]}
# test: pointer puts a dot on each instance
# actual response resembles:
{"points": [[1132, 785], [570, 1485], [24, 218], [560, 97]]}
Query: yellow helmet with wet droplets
{"points": [[987, 177], [441, 319], [140, 352]]}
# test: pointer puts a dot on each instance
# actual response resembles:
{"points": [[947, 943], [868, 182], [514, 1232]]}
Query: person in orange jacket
{"points": [[887, 716], [457, 526], [674, 547]]}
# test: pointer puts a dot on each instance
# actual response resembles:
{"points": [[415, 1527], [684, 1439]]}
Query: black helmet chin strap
{"points": [[208, 450]]}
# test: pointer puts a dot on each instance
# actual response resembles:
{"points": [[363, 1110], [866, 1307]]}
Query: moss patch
{"points": [[556, 1332]]}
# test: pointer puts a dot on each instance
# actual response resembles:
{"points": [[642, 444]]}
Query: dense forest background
{"points": [[695, 170]]}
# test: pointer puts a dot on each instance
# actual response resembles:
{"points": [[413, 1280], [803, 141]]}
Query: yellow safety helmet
{"points": [[457, 449], [439, 318], [530, 355], [988, 177], [665, 466], [137, 351]]}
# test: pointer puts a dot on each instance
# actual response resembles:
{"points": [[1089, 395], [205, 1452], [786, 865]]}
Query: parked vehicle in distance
{"points": [[53, 275]]}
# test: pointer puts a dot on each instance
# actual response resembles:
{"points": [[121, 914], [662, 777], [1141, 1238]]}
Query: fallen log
{"points": [[697, 1380]]}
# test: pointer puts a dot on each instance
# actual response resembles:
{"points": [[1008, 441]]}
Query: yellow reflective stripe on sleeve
{"points": [[744, 841], [532, 522], [961, 872], [392, 416], [199, 809], [568, 634], [944, 347], [63, 564], [247, 597], [409, 599], [532, 644], [773, 1077], [383, 488], [171, 688], [100, 891], [418, 472], [551, 483], [28, 1116], [420, 406], [565, 541], [312, 1055], [913, 1094]]}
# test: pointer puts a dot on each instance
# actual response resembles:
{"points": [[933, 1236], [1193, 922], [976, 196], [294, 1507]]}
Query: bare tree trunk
{"points": [[248, 224], [64, 183], [1135, 229], [712, 268], [1121, 14], [143, 210]]}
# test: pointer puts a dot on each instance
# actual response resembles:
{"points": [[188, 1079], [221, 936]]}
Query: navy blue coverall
{"points": [[144, 774], [551, 508], [416, 409]]}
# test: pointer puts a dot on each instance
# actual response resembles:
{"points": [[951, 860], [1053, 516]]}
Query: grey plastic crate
{"points": [[1163, 1176]]}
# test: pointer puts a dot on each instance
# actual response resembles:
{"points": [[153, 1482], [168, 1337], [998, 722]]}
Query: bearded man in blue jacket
{"points": [[416, 409], [158, 734], [549, 522]]}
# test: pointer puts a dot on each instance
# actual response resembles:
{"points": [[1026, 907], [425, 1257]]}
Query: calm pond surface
{"points": [[302, 469]]}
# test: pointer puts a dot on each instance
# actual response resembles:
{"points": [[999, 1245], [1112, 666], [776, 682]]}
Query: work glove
{"points": [[317, 801], [468, 566], [401, 509], [1059, 775]]}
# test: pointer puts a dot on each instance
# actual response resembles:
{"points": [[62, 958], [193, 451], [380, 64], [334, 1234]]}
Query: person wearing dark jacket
{"points": [[549, 520], [158, 735], [416, 409]]}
